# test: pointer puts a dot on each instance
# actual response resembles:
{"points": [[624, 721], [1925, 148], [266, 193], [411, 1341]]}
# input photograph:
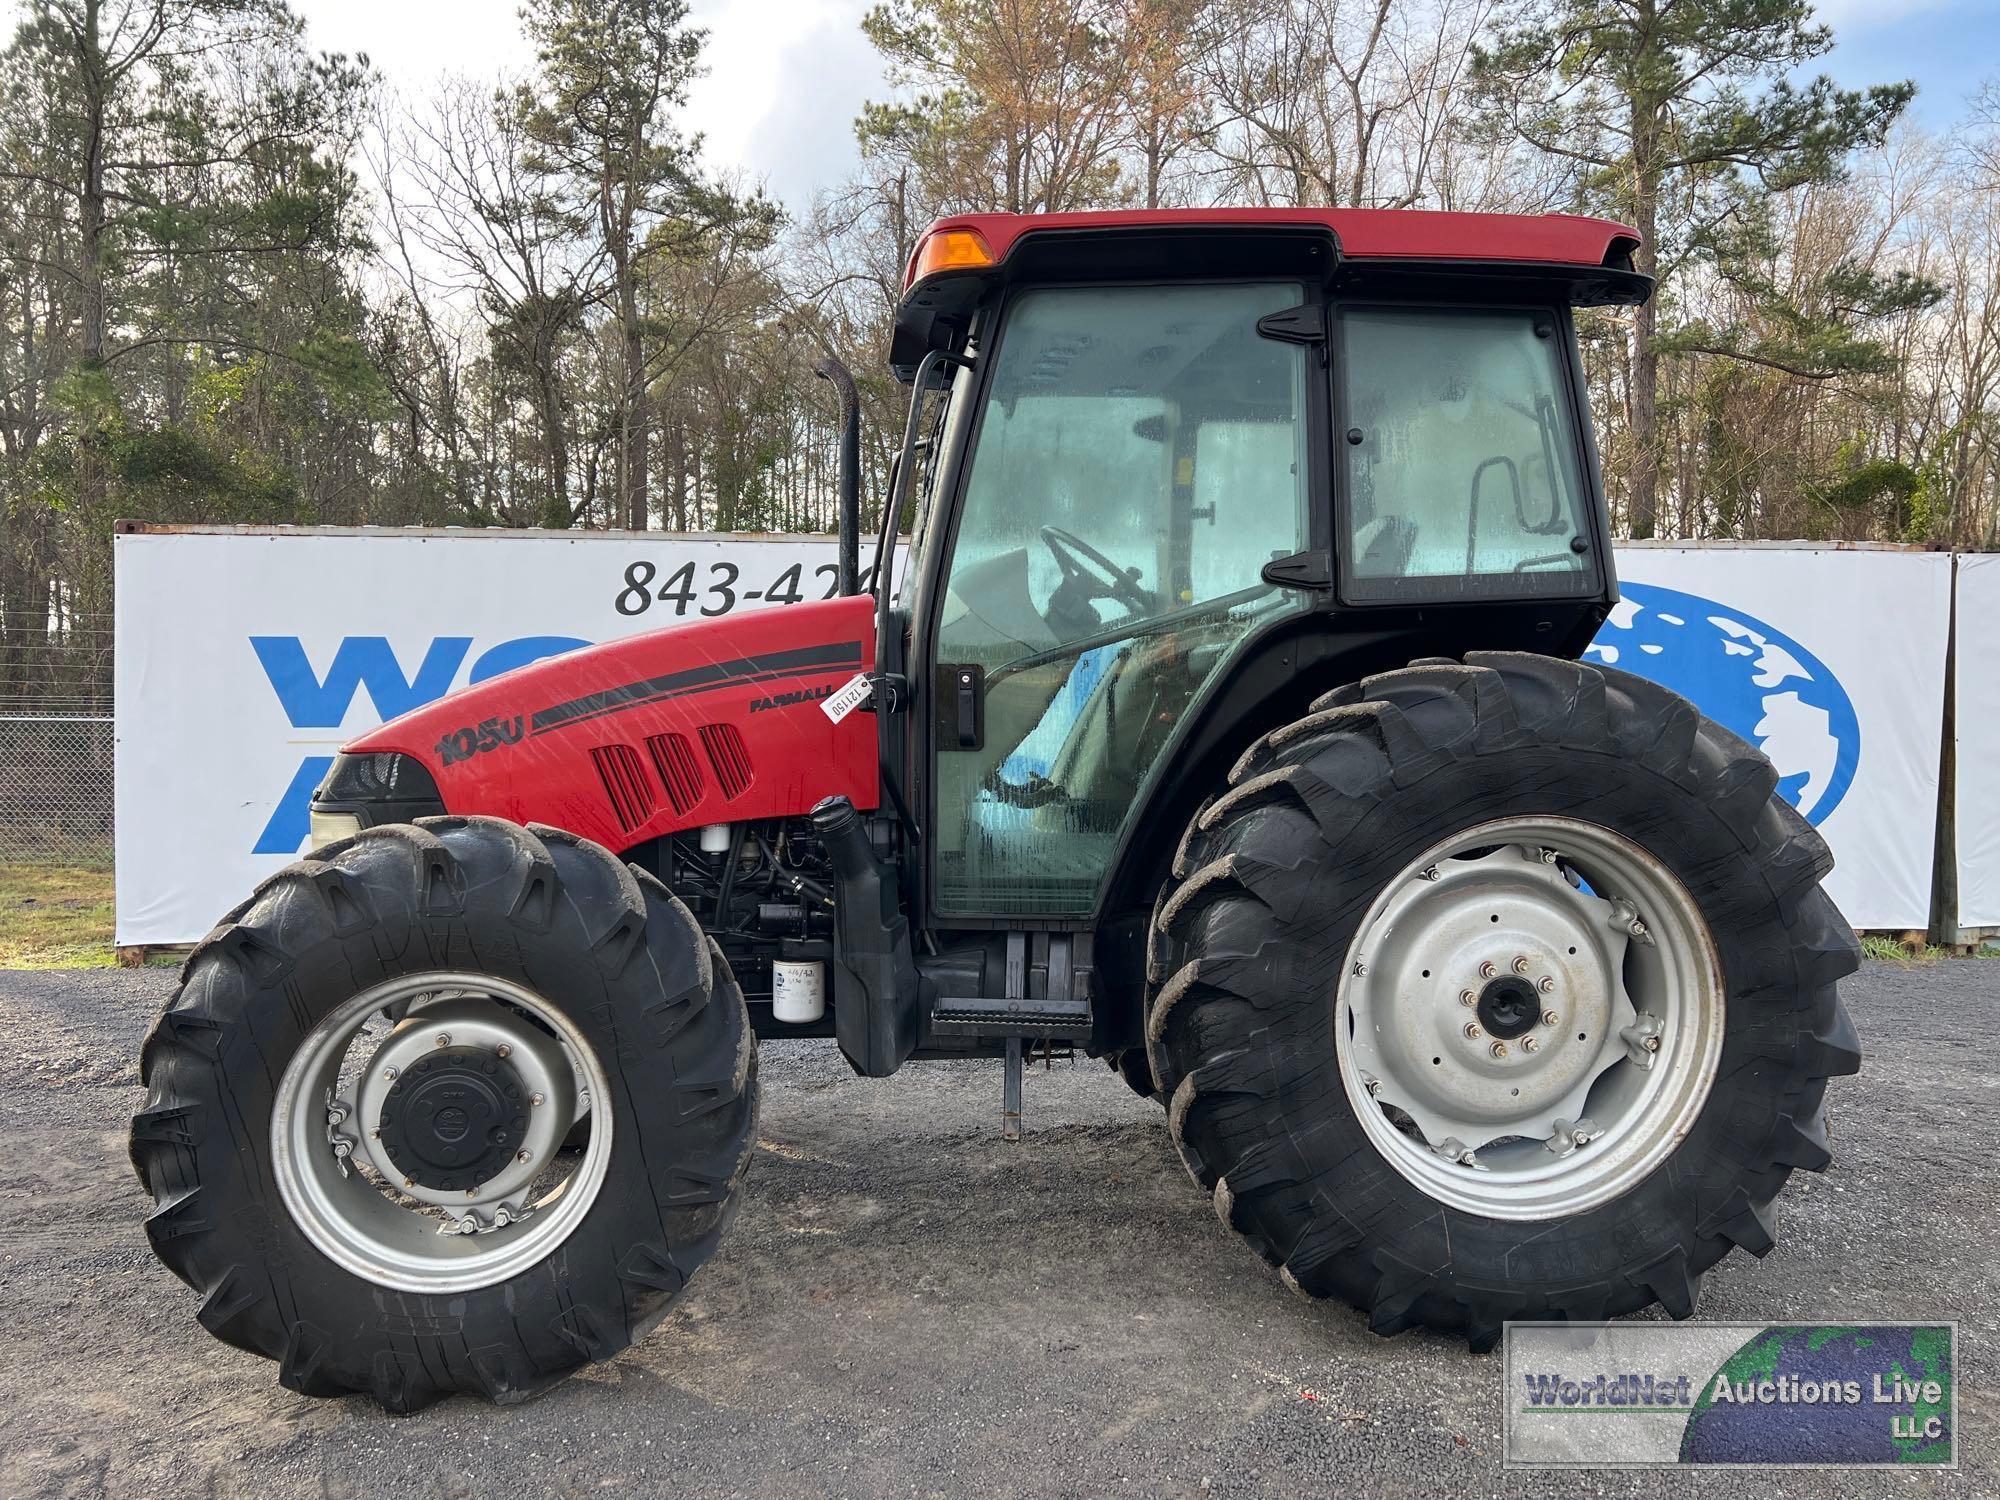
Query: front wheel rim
{"points": [[334, 1168], [1530, 1018]]}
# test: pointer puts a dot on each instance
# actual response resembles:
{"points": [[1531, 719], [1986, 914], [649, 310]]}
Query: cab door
{"points": [[1141, 453]]}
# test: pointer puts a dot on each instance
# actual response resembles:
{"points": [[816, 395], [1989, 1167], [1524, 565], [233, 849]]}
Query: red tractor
{"points": [[1228, 722]]}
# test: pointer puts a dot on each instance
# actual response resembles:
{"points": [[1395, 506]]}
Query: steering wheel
{"points": [[1072, 552]]}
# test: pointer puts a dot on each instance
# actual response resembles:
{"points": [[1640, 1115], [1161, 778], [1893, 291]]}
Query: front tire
{"points": [[420, 1002], [1343, 1089]]}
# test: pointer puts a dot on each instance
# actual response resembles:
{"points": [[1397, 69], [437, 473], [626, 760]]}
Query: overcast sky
{"points": [[787, 77]]}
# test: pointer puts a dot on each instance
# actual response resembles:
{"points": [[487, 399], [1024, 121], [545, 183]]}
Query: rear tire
{"points": [[1132, 1065], [1262, 925], [618, 965]]}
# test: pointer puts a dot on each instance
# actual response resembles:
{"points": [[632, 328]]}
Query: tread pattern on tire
{"points": [[1253, 926], [604, 940]]}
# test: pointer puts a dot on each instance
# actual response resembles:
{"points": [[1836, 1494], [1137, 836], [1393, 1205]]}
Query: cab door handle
{"points": [[961, 706]]}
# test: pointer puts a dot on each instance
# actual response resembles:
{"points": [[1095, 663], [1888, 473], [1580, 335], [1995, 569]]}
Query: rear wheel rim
{"points": [[340, 1183], [1530, 1018]]}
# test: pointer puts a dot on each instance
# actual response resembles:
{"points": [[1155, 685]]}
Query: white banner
{"points": [[1977, 700], [244, 659], [1831, 660]]}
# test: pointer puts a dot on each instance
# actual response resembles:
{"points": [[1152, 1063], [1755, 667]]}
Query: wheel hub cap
{"points": [[1509, 1007], [455, 1119]]}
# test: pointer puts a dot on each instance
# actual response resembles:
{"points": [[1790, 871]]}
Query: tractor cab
{"points": [[1166, 477]]}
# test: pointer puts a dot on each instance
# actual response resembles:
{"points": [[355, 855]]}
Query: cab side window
{"points": [[1140, 458], [1462, 472]]}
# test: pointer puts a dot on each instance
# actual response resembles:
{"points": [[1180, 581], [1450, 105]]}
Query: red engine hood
{"points": [[713, 721]]}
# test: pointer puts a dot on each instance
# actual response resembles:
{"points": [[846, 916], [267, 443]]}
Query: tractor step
{"points": [[1045, 993], [1068, 1020], [1044, 1002]]}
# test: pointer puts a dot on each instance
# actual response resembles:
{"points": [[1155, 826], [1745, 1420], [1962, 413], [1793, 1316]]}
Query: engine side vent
{"points": [[727, 753], [624, 778], [680, 772]]}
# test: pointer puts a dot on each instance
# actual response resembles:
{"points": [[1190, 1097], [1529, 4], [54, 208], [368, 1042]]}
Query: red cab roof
{"points": [[1365, 233]]}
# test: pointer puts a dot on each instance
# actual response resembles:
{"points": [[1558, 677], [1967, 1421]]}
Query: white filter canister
{"points": [[798, 990], [715, 838]]}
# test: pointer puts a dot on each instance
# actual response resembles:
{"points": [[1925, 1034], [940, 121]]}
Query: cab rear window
{"points": [[1463, 475]]}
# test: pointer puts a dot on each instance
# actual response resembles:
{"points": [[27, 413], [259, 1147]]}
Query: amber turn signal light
{"points": [[950, 250]]}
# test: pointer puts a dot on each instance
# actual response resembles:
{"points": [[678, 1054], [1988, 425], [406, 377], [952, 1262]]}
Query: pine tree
{"points": [[1680, 118], [177, 184], [1020, 105], [599, 113]]}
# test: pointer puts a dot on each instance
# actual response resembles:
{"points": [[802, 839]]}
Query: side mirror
{"points": [[1300, 570]]}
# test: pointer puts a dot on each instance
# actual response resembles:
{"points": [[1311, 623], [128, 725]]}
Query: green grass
{"points": [[1888, 950], [56, 915]]}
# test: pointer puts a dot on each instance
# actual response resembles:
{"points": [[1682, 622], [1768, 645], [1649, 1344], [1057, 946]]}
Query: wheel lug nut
{"points": [[1498, 1049], [523, 1156], [534, 1098], [1486, 970], [390, 1074], [1472, 1030], [1467, 997], [1529, 1044], [503, 1050], [444, 1038], [1546, 983], [1520, 964], [1549, 1018]]}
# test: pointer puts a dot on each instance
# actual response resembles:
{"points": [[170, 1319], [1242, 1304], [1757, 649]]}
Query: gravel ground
{"points": [[907, 1305]]}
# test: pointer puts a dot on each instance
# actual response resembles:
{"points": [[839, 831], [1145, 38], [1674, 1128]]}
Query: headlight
{"points": [[383, 776], [368, 790], [331, 828]]}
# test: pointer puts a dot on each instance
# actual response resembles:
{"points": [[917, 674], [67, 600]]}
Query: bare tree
{"points": [[466, 230], [1355, 103]]}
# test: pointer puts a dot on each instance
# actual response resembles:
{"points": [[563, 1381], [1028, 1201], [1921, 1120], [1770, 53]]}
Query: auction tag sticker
{"points": [[845, 699], [1730, 1395]]}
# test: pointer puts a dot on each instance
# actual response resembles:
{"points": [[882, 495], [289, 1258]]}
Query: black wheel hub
{"points": [[1509, 1006], [455, 1119]]}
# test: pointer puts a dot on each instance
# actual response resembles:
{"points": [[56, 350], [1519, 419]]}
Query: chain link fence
{"points": [[55, 739]]}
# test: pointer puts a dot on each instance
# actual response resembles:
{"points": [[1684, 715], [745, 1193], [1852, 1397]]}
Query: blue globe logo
{"points": [[1747, 676]]}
